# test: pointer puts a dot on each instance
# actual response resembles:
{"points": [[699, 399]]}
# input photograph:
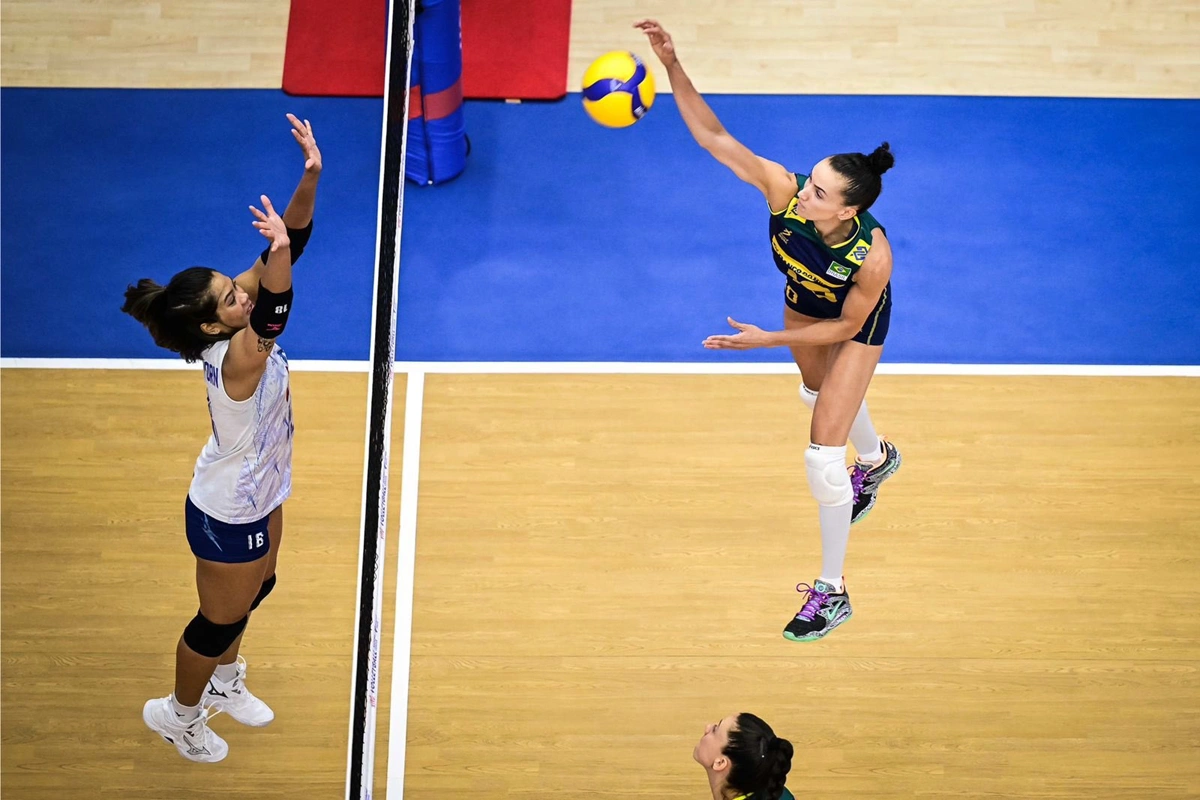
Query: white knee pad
{"points": [[827, 476], [808, 396]]}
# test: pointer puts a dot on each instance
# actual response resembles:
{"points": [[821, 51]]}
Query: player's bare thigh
{"points": [[813, 360], [851, 366], [275, 531]]}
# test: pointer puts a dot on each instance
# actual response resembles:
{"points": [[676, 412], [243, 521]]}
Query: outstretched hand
{"points": [[660, 40], [270, 224], [747, 338], [302, 132]]}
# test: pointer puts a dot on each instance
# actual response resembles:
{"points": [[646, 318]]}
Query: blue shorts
{"points": [[228, 543]]}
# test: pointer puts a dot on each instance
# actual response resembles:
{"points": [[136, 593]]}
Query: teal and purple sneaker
{"points": [[865, 480], [824, 609]]}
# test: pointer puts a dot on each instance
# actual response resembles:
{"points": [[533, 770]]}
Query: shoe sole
{"points": [[149, 724], [791, 637]]}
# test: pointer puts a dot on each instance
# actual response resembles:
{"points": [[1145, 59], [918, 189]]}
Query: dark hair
{"points": [[863, 175], [174, 313], [761, 760]]}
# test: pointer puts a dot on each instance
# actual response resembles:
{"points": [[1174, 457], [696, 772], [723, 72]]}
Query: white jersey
{"points": [[244, 471]]}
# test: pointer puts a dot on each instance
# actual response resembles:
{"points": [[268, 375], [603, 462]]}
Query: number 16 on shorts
{"points": [[254, 540]]}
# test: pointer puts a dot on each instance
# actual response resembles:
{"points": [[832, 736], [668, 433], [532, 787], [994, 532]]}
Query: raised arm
{"points": [[298, 215], [251, 346], [772, 179]]}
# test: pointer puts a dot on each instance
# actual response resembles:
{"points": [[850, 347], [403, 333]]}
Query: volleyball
{"points": [[618, 89]]}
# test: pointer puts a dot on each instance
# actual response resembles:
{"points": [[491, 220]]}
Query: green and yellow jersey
{"points": [[785, 796], [819, 275]]}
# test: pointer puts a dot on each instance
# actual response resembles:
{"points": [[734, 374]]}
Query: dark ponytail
{"points": [[174, 313], [863, 174], [779, 763], [761, 760]]}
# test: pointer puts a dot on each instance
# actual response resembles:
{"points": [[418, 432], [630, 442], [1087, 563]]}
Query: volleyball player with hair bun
{"points": [[837, 307], [744, 759], [234, 508]]}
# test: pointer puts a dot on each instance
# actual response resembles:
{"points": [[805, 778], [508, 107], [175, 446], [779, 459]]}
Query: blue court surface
{"points": [[1026, 231]]}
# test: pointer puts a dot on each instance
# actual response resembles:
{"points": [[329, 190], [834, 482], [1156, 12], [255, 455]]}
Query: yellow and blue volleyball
{"points": [[618, 89]]}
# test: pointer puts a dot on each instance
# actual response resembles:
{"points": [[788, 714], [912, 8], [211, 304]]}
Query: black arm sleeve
{"points": [[298, 238], [269, 316]]}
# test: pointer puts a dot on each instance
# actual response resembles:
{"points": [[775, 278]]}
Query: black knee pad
{"points": [[210, 639], [267, 586]]}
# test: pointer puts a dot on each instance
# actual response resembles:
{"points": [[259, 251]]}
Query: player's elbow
{"points": [[846, 329]]}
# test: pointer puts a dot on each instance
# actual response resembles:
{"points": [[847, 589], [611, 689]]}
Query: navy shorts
{"points": [[874, 330], [228, 543]]}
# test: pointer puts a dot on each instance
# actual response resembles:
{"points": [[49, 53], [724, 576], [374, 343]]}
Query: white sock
{"points": [[184, 714], [864, 438], [226, 672], [835, 538]]}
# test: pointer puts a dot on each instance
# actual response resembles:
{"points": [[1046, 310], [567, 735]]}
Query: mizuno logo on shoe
{"points": [[213, 691]]}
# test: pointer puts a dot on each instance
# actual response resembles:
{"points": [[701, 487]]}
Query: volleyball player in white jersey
{"points": [[234, 508]]}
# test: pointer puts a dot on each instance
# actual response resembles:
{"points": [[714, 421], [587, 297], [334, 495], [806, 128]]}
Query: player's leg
{"points": [[230, 564], [877, 458], [812, 360], [227, 690], [226, 591], [849, 371]]}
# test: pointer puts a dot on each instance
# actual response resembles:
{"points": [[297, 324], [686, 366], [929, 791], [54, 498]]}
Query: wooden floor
{"points": [[1089, 48], [604, 564]]}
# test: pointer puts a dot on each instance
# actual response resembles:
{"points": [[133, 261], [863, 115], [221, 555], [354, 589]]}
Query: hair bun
{"points": [[881, 159]]}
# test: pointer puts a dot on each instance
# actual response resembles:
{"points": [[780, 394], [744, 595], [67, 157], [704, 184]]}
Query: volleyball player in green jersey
{"points": [[837, 306], [744, 759]]}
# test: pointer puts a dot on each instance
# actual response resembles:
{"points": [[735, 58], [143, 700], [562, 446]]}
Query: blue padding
{"points": [[1039, 231], [437, 148]]}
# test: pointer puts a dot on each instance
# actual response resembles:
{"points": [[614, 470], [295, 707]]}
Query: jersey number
{"points": [[254, 540], [818, 290]]}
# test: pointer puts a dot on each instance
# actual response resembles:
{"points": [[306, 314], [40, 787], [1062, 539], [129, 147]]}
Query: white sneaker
{"points": [[194, 740], [235, 699]]}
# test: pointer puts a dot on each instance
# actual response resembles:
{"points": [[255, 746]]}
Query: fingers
{"points": [[264, 217], [300, 128]]}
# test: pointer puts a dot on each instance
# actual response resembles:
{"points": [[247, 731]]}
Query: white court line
{"points": [[635, 368], [406, 561]]}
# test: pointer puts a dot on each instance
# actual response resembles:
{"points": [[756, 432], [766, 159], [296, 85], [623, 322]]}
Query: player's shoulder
{"points": [[869, 223]]}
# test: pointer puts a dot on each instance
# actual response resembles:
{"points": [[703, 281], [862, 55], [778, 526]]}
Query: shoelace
{"points": [[812, 604], [858, 477], [200, 736]]}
